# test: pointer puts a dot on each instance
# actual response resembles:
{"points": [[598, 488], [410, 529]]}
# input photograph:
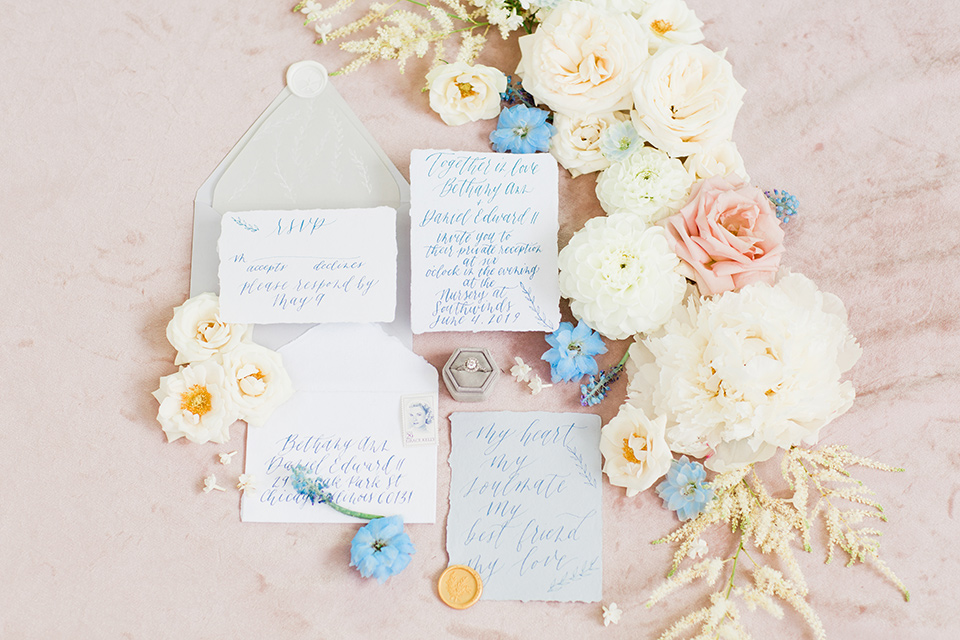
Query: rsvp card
{"points": [[483, 241], [525, 504], [335, 265]]}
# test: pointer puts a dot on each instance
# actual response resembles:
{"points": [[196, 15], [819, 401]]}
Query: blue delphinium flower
{"points": [[315, 489], [381, 548], [619, 141], [573, 351], [786, 204], [522, 129], [685, 490]]}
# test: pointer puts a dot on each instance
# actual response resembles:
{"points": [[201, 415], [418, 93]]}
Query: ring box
{"points": [[470, 374]]}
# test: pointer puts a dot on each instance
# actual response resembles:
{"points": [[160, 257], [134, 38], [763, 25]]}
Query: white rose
{"points": [[686, 99], [634, 450], [194, 404], [461, 93], [670, 22], [648, 183], [256, 382], [721, 159], [197, 333], [620, 276], [576, 144], [582, 60]]}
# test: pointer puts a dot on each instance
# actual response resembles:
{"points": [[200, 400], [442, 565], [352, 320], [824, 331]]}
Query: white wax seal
{"points": [[307, 79]]}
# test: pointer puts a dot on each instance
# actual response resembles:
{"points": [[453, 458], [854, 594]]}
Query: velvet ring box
{"points": [[470, 374]]}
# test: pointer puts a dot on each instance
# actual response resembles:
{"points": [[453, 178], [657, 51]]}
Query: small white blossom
{"points": [[612, 614], [210, 484], [537, 385], [246, 482], [227, 458], [521, 370], [698, 549]]}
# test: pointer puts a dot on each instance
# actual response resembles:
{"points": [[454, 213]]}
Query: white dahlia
{"points": [[746, 372], [648, 184], [620, 276]]}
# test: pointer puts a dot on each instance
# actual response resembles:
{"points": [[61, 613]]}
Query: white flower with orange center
{"points": [[256, 382], [461, 93], [669, 22], [194, 404], [197, 333], [634, 449]]}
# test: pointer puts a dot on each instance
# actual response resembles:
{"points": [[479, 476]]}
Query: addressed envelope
{"points": [[307, 150]]}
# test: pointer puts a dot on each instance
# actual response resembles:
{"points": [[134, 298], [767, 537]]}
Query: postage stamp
{"points": [[419, 419]]}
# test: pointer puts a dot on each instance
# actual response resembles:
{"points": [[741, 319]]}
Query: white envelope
{"points": [[307, 150]]}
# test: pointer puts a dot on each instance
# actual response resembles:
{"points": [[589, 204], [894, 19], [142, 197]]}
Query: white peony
{"points": [[669, 22], [576, 144], [256, 382], [686, 99], [194, 404], [721, 159], [648, 184], [582, 60], [461, 93], [620, 276], [634, 450], [746, 372], [197, 333]]}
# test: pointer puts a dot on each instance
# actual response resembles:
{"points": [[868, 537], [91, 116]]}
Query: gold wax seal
{"points": [[460, 586]]}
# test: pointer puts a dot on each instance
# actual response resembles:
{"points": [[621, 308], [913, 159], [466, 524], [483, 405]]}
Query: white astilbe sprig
{"points": [[406, 28], [768, 528]]}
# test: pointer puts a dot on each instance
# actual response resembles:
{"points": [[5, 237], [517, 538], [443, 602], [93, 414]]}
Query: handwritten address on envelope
{"points": [[308, 266], [525, 504], [483, 241]]}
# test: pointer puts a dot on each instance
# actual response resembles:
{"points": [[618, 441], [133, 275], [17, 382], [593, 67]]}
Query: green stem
{"points": [[351, 512], [733, 571], [450, 15]]}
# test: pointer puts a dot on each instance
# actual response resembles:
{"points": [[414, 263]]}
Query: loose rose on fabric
{"points": [[728, 236], [576, 144], [197, 333], [634, 450], [647, 183], [194, 404], [256, 382], [686, 99], [462, 93], [670, 22], [741, 374], [582, 60], [620, 276]]}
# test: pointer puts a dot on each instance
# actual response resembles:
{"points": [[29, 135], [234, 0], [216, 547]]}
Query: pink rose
{"points": [[727, 236]]}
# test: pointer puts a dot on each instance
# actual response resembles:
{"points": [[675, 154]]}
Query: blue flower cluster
{"points": [[573, 349], [685, 490], [522, 129], [381, 548], [786, 205], [312, 488]]}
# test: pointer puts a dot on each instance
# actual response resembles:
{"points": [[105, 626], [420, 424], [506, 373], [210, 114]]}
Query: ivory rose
{"points": [[727, 236], [582, 60], [197, 333], [686, 98], [576, 144], [461, 93], [194, 404], [256, 382], [634, 449]]}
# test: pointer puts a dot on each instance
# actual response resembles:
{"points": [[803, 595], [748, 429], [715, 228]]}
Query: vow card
{"points": [[336, 265], [525, 504], [483, 241]]}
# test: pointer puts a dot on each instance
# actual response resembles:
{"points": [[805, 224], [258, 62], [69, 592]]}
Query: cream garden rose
{"points": [[634, 450], [620, 276], [194, 404], [576, 144], [582, 60], [720, 159], [256, 382], [197, 333], [739, 375], [462, 93], [686, 99], [669, 22]]}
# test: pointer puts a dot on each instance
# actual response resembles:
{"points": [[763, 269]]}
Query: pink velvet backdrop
{"points": [[114, 113]]}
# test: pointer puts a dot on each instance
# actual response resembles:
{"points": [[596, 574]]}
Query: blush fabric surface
{"points": [[114, 114]]}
